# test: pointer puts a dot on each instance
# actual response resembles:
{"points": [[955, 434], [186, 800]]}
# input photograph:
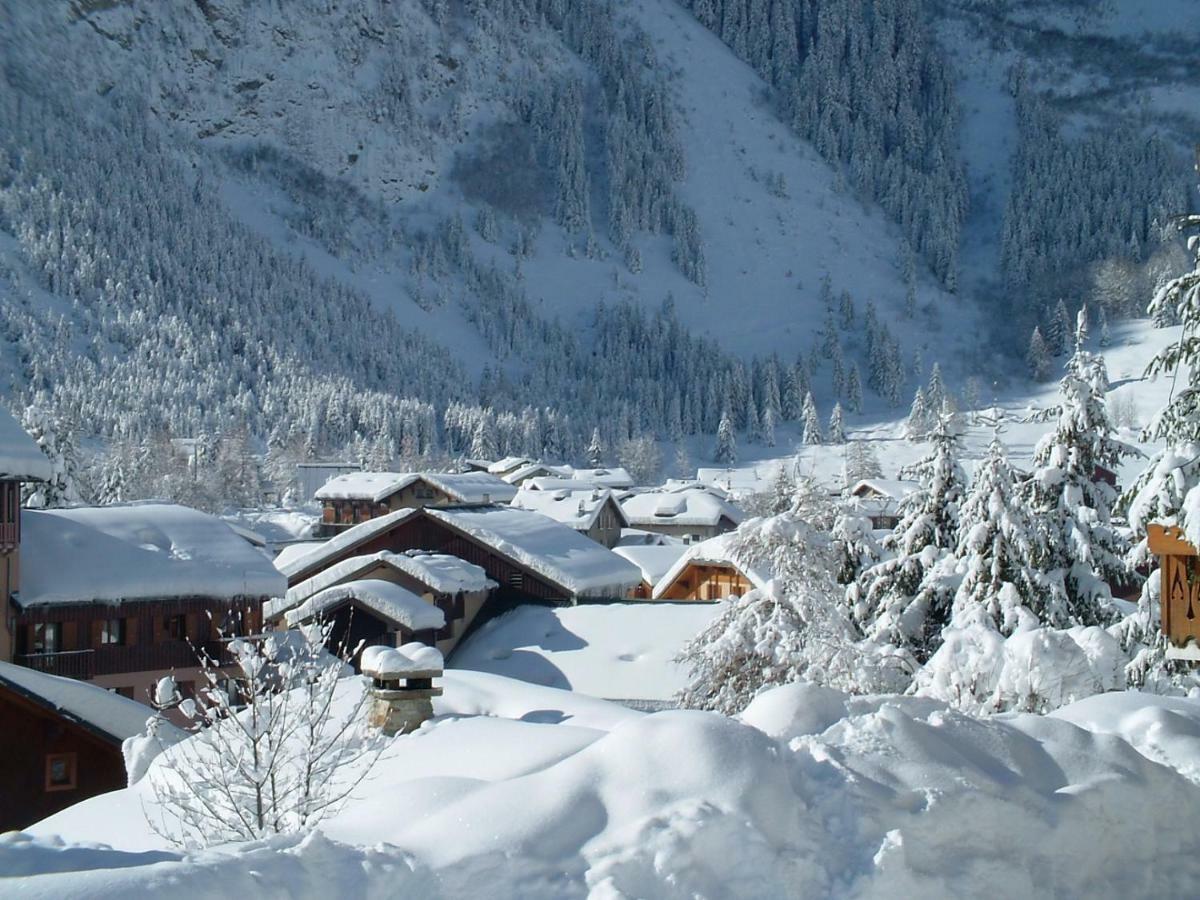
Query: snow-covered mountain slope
{"points": [[497, 179], [543, 793]]}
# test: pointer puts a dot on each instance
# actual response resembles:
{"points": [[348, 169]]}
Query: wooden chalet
{"points": [[592, 511], [357, 497], [1179, 567], [708, 572], [390, 599], [122, 595], [529, 556], [879, 500], [60, 741]]}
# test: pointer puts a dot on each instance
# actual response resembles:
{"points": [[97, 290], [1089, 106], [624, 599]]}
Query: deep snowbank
{"points": [[535, 792]]}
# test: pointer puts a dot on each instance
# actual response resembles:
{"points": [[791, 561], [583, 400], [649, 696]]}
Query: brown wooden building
{"points": [[357, 497], [708, 572], [61, 743], [122, 595], [528, 555]]}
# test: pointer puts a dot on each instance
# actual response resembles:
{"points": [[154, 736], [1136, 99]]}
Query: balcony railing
{"points": [[114, 659]]}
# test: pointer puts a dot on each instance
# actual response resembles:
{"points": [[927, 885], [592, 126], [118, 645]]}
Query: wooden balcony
{"points": [[118, 660]]}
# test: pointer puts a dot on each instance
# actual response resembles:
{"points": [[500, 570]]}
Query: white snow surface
{"points": [[577, 507], [518, 790], [679, 504], [20, 456], [554, 551], [392, 662], [385, 598], [621, 650], [137, 551], [653, 559], [296, 563]]}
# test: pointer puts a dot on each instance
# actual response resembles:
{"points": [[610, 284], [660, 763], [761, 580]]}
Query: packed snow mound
{"points": [[542, 793], [619, 651], [392, 662]]}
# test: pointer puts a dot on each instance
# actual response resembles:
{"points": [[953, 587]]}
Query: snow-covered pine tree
{"points": [[859, 462], [920, 417], [1000, 586], [936, 393], [905, 600], [1058, 329], [1168, 490], [595, 449], [1038, 357], [725, 451], [837, 427], [790, 630], [811, 421], [54, 440], [854, 393], [1075, 543]]}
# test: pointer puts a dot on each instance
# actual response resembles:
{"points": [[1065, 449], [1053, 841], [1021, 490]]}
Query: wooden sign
{"points": [[1179, 565]]}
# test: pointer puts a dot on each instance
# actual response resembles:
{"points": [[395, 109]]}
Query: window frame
{"points": [[72, 761]]}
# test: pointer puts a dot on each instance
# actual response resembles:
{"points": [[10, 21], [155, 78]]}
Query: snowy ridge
{"points": [[810, 792]]}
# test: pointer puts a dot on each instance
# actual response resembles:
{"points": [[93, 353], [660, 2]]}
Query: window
{"points": [[112, 631], [176, 627], [47, 637], [61, 771]]}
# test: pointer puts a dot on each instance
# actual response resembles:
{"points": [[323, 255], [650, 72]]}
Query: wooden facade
{"points": [[707, 581], [50, 761], [105, 640], [1179, 565]]}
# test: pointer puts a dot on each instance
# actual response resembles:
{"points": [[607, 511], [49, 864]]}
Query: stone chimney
{"points": [[402, 688]]}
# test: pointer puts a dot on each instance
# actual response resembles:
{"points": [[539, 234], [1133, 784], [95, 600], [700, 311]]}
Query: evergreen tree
{"points": [[1001, 586], [837, 428], [725, 451], [920, 418], [1038, 357], [811, 422], [1075, 542], [905, 600], [860, 462], [595, 450], [854, 394]]}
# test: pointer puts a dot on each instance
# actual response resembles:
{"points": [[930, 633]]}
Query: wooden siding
{"points": [[10, 516], [29, 733], [706, 581]]}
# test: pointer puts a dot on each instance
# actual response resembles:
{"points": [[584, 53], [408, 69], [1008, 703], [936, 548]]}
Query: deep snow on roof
{"points": [[551, 549], [440, 572], [341, 542], [292, 552], [138, 551], [885, 487], [20, 456], [578, 507], [114, 715], [655, 560], [387, 599], [462, 487], [679, 505], [714, 551]]}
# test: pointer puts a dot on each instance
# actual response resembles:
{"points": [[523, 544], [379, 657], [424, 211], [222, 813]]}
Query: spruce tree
{"points": [[920, 417], [854, 394], [811, 422], [595, 449], [837, 428], [725, 451], [1038, 357]]}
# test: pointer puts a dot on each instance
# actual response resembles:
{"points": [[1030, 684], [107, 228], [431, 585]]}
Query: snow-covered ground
{"points": [[622, 651], [535, 792]]}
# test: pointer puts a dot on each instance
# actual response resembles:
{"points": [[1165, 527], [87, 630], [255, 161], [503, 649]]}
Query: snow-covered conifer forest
{"points": [[763, 436]]}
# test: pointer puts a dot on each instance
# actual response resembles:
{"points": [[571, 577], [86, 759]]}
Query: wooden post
{"points": [[1180, 588]]}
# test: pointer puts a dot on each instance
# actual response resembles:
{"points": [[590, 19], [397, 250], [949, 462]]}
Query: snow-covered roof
{"points": [[292, 552], [440, 572], [462, 487], [717, 551], [616, 477], [533, 470], [397, 605], [110, 714], [655, 560], [557, 553], [135, 552], [637, 537], [341, 543], [508, 464], [687, 504], [20, 456], [894, 489], [577, 507]]}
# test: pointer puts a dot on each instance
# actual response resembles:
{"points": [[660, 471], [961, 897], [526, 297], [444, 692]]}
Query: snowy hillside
{"points": [[543, 793]]}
